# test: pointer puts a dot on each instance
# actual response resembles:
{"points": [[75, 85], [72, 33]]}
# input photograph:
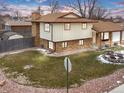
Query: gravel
{"points": [[100, 85]]}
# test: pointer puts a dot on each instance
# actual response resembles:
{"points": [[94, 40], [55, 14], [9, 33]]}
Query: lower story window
{"points": [[81, 42], [50, 45], [64, 44]]}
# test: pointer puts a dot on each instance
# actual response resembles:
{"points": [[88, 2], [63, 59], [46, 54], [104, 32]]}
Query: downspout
{"points": [[54, 44], [52, 32]]}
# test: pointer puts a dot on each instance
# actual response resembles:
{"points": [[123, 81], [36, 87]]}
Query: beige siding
{"points": [[70, 16], [76, 32], [43, 34]]}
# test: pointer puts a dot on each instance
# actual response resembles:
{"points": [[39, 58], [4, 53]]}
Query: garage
{"points": [[116, 37]]}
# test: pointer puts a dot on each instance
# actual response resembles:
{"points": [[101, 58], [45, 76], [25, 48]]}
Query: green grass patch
{"points": [[49, 71]]}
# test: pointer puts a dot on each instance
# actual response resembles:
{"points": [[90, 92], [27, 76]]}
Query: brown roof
{"points": [[102, 26], [18, 23], [59, 18]]}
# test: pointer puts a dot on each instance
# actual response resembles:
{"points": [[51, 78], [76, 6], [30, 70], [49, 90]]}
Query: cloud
{"points": [[26, 10], [119, 3], [40, 1], [117, 12]]}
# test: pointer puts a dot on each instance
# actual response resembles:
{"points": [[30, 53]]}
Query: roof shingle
{"points": [[102, 26], [59, 18]]}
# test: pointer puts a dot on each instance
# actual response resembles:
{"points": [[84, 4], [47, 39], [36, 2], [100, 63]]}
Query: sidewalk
{"points": [[119, 89]]}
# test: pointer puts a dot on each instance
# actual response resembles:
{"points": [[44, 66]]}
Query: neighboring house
{"points": [[9, 35], [15, 26], [108, 33], [62, 31]]}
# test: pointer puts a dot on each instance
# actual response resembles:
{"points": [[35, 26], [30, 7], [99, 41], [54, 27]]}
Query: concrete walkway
{"points": [[119, 89], [46, 52]]}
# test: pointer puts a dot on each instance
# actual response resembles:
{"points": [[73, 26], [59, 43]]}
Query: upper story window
{"points": [[67, 26], [84, 25], [47, 27]]}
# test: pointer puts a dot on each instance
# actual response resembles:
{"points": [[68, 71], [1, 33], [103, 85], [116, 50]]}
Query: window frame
{"points": [[104, 35], [64, 44], [51, 44], [81, 42], [84, 27], [67, 29], [46, 29]]}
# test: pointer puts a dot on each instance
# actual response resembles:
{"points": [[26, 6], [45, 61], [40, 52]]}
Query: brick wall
{"points": [[36, 33], [44, 43], [72, 45]]}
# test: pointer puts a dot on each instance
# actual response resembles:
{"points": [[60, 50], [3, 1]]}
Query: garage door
{"points": [[123, 35], [116, 36]]}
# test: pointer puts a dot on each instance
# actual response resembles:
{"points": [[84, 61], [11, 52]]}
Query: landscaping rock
{"points": [[119, 82], [21, 79], [2, 83], [74, 85], [82, 80], [28, 67], [123, 77]]}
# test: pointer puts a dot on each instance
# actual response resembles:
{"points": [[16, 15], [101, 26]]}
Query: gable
{"points": [[71, 16]]}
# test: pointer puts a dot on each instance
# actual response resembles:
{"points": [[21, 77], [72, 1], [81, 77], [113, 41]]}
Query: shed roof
{"points": [[18, 23], [5, 35]]}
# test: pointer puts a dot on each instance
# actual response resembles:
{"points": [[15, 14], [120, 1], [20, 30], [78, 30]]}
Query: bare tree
{"points": [[100, 13], [54, 6], [88, 8], [83, 7], [91, 6], [79, 6], [17, 14]]}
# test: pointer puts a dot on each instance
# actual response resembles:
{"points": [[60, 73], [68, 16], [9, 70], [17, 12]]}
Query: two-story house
{"points": [[62, 31], [68, 31]]}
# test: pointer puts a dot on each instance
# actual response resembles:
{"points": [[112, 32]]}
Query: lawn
{"points": [[49, 71]]}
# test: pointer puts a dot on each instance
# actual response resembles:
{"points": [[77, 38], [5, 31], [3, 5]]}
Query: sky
{"points": [[27, 6]]}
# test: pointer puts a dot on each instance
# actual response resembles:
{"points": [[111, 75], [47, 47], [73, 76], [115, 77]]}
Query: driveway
{"points": [[119, 89]]}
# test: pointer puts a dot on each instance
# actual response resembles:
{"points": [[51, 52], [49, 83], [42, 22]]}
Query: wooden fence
{"points": [[16, 44]]}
